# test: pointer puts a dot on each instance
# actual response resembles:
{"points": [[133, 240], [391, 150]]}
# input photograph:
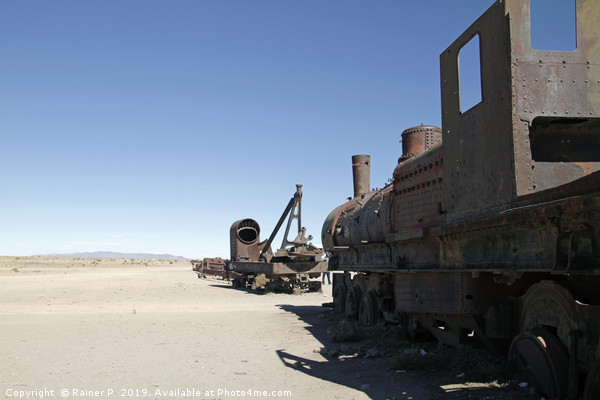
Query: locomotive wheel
{"points": [[339, 298], [551, 308], [368, 312], [352, 302], [549, 305], [592, 384], [540, 358]]}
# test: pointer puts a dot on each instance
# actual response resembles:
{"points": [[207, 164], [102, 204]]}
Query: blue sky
{"points": [[151, 126]]}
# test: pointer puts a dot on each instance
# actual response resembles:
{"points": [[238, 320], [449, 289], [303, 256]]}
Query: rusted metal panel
{"points": [[478, 145], [417, 200], [273, 269], [429, 292], [556, 102], [465, 293]]}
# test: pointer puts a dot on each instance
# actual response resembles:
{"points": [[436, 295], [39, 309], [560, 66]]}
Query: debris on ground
{"points": [[345, 331]]}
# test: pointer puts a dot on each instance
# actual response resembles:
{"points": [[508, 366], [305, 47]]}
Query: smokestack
{"points": [[361, 174]]}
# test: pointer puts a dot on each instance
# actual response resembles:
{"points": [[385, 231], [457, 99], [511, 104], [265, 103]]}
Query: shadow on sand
{"points": [[373, 375], [369, 375]]}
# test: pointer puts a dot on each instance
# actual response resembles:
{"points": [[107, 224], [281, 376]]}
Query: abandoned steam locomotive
{"points": [[490, 228]]}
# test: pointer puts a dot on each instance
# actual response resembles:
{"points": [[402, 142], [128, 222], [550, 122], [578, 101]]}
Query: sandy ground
{"points": [[131, 329]]}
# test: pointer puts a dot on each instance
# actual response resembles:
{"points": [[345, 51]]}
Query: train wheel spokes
{"points": [[368, 313], [540, 358], [352, 302]]}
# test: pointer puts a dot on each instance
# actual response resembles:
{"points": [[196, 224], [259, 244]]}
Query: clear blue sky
{"points": [[151, 126]]}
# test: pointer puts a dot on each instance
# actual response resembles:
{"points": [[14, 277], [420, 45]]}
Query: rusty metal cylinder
{"points": [[417, 139], [244, 237], [361, 173]]}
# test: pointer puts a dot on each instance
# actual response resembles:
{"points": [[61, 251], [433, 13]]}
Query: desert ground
{"points": [[81, 328]]}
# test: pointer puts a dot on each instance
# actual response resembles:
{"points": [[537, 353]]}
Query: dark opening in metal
{"points": [[565, 139], [247, 235], [248, 231]]}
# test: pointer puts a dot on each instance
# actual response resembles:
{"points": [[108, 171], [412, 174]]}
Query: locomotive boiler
{"points": [[489, 231]]}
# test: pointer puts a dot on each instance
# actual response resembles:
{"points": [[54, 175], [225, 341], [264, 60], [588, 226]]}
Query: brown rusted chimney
{"points": [[361, 174]]}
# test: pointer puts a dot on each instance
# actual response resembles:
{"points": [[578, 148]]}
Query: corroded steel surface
{"points": [[271, 269], [212, 266], [361, 173], [244, 238]]}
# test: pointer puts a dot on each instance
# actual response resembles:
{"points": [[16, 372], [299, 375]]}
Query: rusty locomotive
{"points": [[489, 230], [295, 265]]}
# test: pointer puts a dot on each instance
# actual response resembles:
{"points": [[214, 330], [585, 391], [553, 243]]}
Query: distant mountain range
{"points": [[111, 254]]}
